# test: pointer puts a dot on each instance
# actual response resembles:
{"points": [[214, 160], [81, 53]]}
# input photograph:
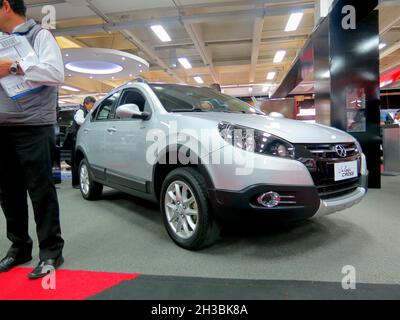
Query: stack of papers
{"points": [[17, 48]]}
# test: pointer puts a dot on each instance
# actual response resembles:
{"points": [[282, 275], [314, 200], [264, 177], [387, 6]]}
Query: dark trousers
{"points": [[74, 164], [26, 167]]}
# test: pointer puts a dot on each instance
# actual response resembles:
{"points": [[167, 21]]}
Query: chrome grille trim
{"points": [[329, 150], [320, 159]]}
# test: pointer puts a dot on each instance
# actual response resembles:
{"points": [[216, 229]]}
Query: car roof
{"points": [[144, 82]]}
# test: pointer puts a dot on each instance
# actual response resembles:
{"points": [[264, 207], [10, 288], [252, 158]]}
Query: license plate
{"points": [[346, 170]]}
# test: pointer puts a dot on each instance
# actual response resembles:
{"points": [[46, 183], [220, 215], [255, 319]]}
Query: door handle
{"points": [[86, 130], [112, 130]]}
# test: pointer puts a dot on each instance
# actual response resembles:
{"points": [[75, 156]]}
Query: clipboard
{"points": [[18, 48]]}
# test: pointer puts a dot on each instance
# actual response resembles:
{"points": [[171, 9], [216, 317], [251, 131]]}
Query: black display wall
{"points": [[353, 76]]}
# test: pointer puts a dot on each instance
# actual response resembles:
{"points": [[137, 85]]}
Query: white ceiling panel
{"points": [[228, 38], [200, 2], [231, 52], [63, 11], [131, 5]]}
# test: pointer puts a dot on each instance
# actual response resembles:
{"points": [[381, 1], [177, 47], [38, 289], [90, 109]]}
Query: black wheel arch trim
{"points": [[199, 165]]}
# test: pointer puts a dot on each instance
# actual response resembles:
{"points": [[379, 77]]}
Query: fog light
{"points": [[270, 199]]}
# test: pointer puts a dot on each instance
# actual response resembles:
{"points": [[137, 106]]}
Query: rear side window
{"points": [[105, 109]]}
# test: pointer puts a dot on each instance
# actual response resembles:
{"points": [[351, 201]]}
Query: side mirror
{"points": [[131, 111]]}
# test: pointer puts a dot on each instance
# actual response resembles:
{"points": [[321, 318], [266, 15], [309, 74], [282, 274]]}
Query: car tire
{"points": [[202, 229], [90, 189]]}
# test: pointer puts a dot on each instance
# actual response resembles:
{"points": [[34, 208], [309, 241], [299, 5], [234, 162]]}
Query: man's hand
{"points": [[5, 66]]}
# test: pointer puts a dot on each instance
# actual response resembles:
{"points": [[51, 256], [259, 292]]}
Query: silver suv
{"points": [[207, 157]]}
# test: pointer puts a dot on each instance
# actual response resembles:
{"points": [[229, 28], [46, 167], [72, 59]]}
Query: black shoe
{"points": [[45, 266], [76, 186], [10, 262]]}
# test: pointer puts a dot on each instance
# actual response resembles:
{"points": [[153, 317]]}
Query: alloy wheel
{"points": [[181, 209], [84, 179]]}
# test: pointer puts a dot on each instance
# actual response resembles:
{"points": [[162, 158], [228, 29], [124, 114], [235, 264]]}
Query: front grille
{"points": [[320, 160], [328, 151], [339, 188]]}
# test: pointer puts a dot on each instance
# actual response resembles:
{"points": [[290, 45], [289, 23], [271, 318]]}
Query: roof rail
{"points": [[135, 80], [140, 80]]}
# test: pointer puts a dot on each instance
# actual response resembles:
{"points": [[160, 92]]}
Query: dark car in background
{"points": [[65, 116]]}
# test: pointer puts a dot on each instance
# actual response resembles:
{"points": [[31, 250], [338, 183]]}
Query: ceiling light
{"points": [[294, 21], [68, 88], [102, 63], [279, 56], [382, 45], [161, 33], [185, 63], [94, 67], [199, 80], [271, 75]]}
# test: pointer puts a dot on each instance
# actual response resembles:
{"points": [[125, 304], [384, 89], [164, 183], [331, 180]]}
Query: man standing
{"points": [[79, 119], [397, 117], [26, 141]]}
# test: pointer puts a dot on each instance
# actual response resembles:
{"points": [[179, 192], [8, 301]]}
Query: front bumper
{"points": [[236, 205], [341, 203]]}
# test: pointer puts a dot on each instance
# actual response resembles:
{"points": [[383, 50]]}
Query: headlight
{"points": [[255, 140]]}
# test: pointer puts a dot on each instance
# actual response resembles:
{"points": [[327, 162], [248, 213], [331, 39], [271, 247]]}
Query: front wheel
{"points": [[90, 189], [186, 212]]}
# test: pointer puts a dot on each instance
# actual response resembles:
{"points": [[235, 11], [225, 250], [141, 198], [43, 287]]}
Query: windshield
{"points": [[179, 98]]}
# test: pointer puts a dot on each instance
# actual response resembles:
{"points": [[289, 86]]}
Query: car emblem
{"points": [[341, 151]]}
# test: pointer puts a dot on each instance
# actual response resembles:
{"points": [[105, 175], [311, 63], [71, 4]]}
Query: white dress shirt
{"points": [[79, 117], [50, 70]]}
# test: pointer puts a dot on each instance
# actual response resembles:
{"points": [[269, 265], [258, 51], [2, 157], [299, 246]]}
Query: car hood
{"points": [[293, 131]]}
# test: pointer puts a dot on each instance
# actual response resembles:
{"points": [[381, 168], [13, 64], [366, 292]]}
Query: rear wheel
{"points": [[187, 215], [90, 189]]}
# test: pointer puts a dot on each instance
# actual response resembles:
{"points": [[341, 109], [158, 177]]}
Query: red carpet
{"points": [[69, 285]]}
